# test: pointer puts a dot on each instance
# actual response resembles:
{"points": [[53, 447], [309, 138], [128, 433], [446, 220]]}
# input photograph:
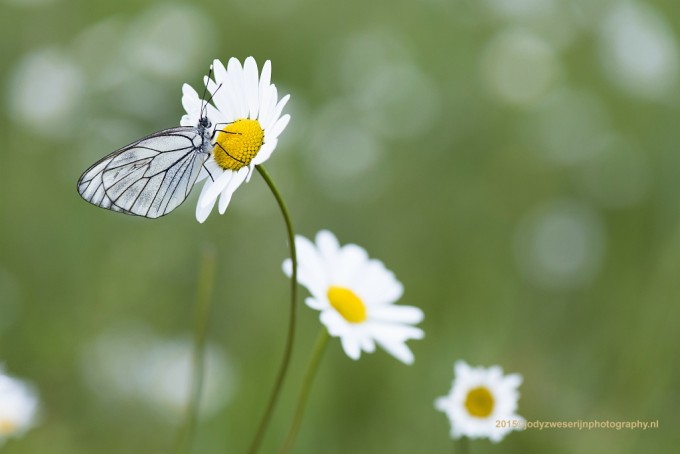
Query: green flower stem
{"points": [[462, 445], [314, 361], [206, 282], [288, 350]]}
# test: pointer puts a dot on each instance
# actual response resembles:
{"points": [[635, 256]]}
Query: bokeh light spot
{"points": [[560, 246], [518, 67], [638, 50]]}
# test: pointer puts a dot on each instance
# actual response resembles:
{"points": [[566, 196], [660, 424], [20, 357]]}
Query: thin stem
{"points": [[206, 281], [312, 367], [462, 446], [290, 337]]}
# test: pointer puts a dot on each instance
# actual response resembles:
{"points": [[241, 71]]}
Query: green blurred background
{"points": [[514, 162]]}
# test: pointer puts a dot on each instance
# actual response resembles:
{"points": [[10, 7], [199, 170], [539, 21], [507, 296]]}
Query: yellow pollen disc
{"points": [[479, 402], [238, 143], [347, 303], [7, 426]]}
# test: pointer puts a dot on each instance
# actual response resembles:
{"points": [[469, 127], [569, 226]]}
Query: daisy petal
{"points": [[187, 120], [396, 314], [513, 380], [399, 350], [393, 332], [203, 210], [277, 112], [225, 198], [367, 344], [219, 70], [349, 263], [287, 267], [236, 77], [215, 189], [251, 87], [268, 107], [210, 169], [328, 246], [265, 152], [218, 95], [310, 267], [351, 347], [202, 175], [336, 325], [251, 171], [307, 254], [265, 78], [378, 285], [279, 126], [191, 104], [228, 191], [315, 303]]}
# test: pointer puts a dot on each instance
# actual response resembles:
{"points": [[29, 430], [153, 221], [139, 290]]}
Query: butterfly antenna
{"points": [[205, 90], [214, 93]]}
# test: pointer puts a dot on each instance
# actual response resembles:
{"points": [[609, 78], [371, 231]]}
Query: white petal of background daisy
{"points": [[247, 121], [18, 407], [356, 296], [478, 398]]}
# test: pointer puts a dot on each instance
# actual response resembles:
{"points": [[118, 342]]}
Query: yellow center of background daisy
{"points": [[347, 303], [238, 143], [479, 402], [7, 426]]}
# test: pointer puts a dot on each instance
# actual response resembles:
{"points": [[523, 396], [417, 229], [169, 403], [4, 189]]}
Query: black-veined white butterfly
{"points": [[152, 176]]}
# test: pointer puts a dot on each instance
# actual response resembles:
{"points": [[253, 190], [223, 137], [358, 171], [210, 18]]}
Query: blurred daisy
{"points": [[162, 371], [478, 398], [356, 296], [18, 407], [247, 121]]}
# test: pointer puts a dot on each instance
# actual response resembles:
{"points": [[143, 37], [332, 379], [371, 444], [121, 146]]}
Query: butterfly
{"points": [[152, 176]]}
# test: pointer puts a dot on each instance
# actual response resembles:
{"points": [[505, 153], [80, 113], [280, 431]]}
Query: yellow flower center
{"points": [[7, 426], [347, 303], [479, 402], [238, 143]]}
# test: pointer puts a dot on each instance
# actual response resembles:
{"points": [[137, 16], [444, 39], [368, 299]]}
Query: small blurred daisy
{"points": [[355, 295], [247, 119], [18, 407], [478, 398]]}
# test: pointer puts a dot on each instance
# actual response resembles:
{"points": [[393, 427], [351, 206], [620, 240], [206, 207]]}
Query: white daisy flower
{"points": [[356, 296], [480, 397], [18, 407], [247, 121]]}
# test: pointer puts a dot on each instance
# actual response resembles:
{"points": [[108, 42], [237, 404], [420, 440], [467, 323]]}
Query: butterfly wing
{"points": [[150, 177]]}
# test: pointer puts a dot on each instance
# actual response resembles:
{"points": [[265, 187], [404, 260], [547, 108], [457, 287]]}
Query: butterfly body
{"points": [[152, 176]]}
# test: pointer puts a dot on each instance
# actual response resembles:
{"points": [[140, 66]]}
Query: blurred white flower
{"points": [[356, 296], [44, 91], [561, 245], [638, 50], [168, 39], [18, 407], [131, 363], [480, 397], [519, 67], [247, 120]]}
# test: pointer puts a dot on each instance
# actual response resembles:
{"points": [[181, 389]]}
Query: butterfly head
{"points": [[204, 122]]}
